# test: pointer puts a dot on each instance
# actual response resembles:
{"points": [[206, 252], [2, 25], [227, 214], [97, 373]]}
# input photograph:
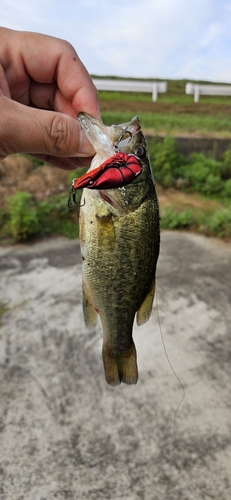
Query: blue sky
{"points": [[139, 38]]}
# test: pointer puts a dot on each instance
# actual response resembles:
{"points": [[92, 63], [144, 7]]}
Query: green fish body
{"points": [[119, 236]]}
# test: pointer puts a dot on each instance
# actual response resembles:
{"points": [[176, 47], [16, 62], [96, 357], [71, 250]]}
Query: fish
{"points": [[119, 240]]}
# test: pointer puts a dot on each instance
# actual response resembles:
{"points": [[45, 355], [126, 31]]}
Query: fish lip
{"points": [[97, 133]]}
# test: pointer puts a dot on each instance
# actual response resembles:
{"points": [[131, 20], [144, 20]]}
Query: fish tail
{"points": [[120, 368]]}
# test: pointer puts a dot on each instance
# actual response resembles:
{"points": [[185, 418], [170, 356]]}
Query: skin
{"points": [[43, 87]]}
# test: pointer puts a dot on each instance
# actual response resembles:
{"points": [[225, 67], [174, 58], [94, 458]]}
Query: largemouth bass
{"points": [[119, 238]]}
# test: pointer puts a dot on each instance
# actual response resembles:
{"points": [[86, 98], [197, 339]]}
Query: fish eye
{"points": [[140, 151]]}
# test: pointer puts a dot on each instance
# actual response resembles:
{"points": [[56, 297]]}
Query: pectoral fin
{"points": [[144, 312], [89, 313]]}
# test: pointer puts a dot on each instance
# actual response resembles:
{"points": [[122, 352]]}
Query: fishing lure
{"points": [[118, 171]]}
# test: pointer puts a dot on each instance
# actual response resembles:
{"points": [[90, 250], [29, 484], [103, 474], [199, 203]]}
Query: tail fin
{"points": [[120, 368]]}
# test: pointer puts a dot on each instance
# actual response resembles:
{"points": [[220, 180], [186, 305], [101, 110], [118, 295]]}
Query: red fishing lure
{"points": [[117, 171]]}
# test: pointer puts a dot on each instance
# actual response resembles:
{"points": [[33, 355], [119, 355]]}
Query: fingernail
{"points": [[85, 147]]}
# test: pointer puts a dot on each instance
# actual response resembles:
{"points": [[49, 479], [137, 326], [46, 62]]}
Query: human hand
{"points": [[43, 87]]}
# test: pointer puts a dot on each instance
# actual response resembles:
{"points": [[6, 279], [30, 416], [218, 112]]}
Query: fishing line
{"points": [[178, 407]]}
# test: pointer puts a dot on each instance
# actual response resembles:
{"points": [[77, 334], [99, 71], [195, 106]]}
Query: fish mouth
{"points": [[125, 134], [122, 137]]}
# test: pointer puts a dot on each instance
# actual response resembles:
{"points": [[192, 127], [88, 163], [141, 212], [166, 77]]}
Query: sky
{"points": [[172, 39]]}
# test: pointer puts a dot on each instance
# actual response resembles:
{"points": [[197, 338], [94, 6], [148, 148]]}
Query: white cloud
{"points": [[161, 38]]}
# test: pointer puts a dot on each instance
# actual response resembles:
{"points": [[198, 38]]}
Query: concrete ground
{"points": [[66, 434]]}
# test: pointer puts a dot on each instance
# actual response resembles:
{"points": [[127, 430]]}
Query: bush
{"points": [[203, 174], [170, 219], [226, 165], [23, 216], [219, 223], [227, 189], [26, 219], [166, 161]]}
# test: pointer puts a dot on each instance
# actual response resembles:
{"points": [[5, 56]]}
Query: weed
{"points": [[203, 174], [166, 161], [171, 219], [199, 174], [227, 189], [27, 219], [210, 222], [23, 216], [226, 165], [219, 223]]}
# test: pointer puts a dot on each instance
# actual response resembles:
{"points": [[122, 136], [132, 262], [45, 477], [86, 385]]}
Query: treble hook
{"points": [[71, 203]]}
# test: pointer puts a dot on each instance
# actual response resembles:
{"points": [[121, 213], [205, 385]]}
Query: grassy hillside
{"points": [[194, 194], [175, 113], [175, 92]]}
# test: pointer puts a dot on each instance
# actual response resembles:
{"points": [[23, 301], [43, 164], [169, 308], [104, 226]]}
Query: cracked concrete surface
{"points": [[64, 433]]}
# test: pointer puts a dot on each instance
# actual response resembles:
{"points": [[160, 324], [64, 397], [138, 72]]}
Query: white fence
{"points": [[160, 87], [198, 89], [131, 86]]}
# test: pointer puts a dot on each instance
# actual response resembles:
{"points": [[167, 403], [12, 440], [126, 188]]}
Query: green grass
{"points": [[209, 222], [171, 219], [172, 123], [200, 174], [168, 98], [25, 219]]}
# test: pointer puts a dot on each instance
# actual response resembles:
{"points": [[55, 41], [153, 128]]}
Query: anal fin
{"points": [[89, 313], [144, 312]]}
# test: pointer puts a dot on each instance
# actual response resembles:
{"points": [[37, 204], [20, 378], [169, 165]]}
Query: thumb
{"points": [[29, 130]]}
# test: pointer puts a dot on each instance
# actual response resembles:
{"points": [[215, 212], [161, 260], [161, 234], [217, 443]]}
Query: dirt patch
{"points": [[18, 173], [165, 108], [182, 201]]}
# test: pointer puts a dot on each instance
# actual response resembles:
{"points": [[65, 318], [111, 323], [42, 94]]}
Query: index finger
{"points": [[75, 83], [48, 59]]}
